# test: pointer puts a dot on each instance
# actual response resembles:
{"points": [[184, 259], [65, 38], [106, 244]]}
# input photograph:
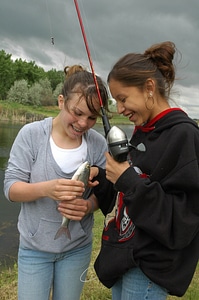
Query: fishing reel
{"points": [[118, 144]]}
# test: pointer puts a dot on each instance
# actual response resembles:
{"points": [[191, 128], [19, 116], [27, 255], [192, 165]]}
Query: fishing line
{"points": [[88, 31], [50, 23], [104, 116], [87, 280]]}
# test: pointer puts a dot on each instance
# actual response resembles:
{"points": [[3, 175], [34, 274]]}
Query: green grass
{"points": [[16, 112], [93, 289]]}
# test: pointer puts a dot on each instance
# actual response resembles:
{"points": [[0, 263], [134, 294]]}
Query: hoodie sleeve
{"points": [[104, 192], [97, 147], [23, 155]]}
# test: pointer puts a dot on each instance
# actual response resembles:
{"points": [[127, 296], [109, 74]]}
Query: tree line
{"points": [[26, 83]]}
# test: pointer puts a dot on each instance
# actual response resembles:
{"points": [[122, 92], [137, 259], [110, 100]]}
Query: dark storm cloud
{"points": [[113, 28]]}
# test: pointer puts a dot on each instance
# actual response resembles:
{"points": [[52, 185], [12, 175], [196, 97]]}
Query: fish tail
{"points": [[62, 230]]}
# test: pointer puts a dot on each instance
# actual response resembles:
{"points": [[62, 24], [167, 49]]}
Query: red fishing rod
{"points": [[116, 138], [105, 120]]}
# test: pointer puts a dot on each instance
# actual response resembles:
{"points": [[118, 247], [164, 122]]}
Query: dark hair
{"points": [[156, 62], [79, 80]]}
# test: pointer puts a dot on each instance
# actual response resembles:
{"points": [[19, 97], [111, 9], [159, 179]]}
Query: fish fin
{"points": [[62, 230]]}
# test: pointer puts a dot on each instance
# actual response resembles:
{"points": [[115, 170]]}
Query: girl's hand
{"points": [[93, 173], [73, 209], [64, 189], [114, 169], [76, 209]]}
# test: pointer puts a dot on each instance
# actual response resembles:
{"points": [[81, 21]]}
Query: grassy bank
{"points": [[15, 112], [93, 289]]}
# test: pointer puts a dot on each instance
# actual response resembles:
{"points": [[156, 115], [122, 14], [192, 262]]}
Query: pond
{"points": [[8, 211]]}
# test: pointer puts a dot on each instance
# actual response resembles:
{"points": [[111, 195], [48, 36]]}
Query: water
{"points": [[9, 211]]}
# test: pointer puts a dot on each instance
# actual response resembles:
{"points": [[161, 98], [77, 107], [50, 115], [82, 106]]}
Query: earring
{"points": [[150, 97]]}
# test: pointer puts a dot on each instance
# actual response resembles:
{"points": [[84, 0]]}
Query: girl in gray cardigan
{"points": [[43, 158]]}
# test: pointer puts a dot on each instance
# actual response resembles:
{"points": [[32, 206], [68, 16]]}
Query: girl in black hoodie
{"points": [[150, 241]]}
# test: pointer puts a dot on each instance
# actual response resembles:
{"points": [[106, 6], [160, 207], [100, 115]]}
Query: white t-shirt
{"points": [[69, 159]]}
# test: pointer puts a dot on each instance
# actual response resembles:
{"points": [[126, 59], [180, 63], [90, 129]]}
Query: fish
{"points": [[81, 174]]}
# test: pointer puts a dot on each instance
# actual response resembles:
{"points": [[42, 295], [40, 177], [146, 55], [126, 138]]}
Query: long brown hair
{"points": [[134, 69]]}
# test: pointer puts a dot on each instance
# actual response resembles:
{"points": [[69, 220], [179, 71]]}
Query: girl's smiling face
{"points": [[131, 102], [76, 118]]}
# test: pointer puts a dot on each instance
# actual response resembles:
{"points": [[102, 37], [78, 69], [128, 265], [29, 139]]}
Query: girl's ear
{"points": [[150, 86], [61, 101]]}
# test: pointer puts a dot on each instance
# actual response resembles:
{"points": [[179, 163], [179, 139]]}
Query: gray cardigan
{"points": [[31, 160]]}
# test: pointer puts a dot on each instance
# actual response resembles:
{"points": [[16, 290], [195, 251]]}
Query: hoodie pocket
{"points": [[42, 238], [112, 262]]}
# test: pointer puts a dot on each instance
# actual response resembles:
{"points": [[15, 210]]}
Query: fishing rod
{"points": [[105, 120], [116, 138]]}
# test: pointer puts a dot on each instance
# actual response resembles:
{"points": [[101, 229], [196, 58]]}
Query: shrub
{"points": [[19, 92]]}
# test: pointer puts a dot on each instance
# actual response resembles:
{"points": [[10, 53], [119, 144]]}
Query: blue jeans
{"points": [[134, 285], [64, 274]]}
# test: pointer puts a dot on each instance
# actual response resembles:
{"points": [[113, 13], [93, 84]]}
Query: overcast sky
{"points": [[113, 28]]}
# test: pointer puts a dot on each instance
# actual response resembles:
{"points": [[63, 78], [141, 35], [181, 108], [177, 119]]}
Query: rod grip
{"points": [[105, 121]]}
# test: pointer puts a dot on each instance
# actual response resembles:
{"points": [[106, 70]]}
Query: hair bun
{"points": [[162, 55], [70, 70], [163, 52]]}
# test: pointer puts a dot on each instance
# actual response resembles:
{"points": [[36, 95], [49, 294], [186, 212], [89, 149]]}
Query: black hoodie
{"points": [[155, 224]]}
